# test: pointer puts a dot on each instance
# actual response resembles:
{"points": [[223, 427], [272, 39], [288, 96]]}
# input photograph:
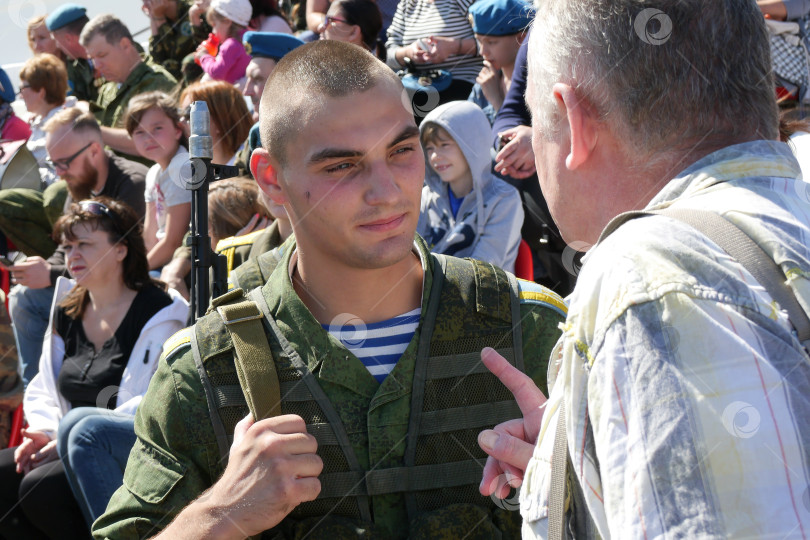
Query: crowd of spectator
{"points": [[98, 254]]}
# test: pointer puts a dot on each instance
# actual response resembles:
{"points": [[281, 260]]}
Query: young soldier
{"points": [[389, 407]]}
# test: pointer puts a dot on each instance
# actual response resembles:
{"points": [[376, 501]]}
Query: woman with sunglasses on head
{"points": [[108, 325], [353, 21]]}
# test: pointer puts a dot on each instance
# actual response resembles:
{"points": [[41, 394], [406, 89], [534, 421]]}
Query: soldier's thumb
{"points": [[241, 428]]}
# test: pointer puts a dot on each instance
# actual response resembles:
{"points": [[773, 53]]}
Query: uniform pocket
{"points": [[151, 474]]}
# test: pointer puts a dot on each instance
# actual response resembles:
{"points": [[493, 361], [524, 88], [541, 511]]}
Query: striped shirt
{"points": [[687, 394], [378, 345], [419, 19]]}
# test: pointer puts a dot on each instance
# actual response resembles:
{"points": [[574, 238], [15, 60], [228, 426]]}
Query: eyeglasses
{"points": [[64, 164], [23, 87], [100, 209], [330, 19]]}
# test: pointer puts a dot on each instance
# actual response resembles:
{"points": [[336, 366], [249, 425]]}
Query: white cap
{"points": [[239, 11]]}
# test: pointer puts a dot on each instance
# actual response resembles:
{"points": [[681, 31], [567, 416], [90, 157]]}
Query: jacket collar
{"points": [[324, 354]]}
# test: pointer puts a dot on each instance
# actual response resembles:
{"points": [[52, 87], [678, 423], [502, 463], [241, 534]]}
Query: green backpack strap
{"points": [[253, 359]]}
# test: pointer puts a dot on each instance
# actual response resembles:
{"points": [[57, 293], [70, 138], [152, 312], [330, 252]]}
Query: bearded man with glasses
{"points": [[76, 153]]}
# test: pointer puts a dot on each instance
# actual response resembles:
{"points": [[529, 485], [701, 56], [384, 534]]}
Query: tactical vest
{"points": [[454, 396], [255, 272]]}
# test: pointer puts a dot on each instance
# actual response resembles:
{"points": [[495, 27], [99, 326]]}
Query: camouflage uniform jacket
{"points": [[238, 249], [173, 41], [82, 80], [176, 457], [113, 99]]}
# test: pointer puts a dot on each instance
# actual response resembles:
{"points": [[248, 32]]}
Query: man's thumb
{"points": [[506, 448], [241, 428]]}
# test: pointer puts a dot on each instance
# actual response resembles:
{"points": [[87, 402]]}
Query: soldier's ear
{"points": [[266, 170]]}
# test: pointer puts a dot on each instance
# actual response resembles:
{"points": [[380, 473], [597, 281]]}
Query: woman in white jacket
{"points": [[107, 330]]}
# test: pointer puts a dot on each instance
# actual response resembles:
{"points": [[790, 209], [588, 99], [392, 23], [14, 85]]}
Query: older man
{"points": [[684, 389], [110, 45]]}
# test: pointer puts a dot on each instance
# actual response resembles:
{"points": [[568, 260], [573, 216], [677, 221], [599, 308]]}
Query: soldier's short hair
{"points": [[321, 68], [77, 120], [108, 26]]}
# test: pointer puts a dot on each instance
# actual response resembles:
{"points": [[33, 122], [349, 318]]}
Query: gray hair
{"points": [[670, 74], [108, 26]]}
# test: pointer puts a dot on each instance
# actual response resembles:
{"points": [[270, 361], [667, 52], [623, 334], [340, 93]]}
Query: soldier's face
{"points": [[353, 178]]}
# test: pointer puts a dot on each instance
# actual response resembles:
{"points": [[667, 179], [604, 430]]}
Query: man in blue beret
{"points": [[500, 28], [265, 50], [65, 24]]}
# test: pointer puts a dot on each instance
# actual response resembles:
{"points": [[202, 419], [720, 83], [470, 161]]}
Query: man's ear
{"points": [[582, 125], [265, 170]]}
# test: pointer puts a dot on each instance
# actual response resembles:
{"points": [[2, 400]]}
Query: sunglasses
{"points": [[64, 164], [100, 209]]}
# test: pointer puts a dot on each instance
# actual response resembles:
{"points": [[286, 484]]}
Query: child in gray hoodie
{"points": [[466, 211]]}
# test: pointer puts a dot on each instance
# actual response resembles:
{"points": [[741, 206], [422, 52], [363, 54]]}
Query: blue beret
{"points": [[6, 90], [269, 44], [64, 14], [500, 17]]}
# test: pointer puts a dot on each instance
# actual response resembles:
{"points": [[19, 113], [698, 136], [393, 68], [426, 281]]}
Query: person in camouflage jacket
{"points": [[351, 185], [172, 35]]}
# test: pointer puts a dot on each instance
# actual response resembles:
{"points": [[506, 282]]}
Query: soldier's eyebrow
{"points": [[404, 135], [337, 153]]}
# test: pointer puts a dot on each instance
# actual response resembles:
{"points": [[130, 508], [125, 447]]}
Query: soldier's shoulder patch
{"points": [[178, 340], [534, 293], [235, 241], [185, 29]]}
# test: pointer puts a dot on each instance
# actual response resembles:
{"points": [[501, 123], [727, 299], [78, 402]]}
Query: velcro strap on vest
{"points": [[400, 479], [491, 300], [461, 365], [254, 365], [470, 417]]}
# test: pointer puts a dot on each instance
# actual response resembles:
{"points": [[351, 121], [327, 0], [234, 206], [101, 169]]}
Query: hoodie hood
{"points": [[467, 124]]}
